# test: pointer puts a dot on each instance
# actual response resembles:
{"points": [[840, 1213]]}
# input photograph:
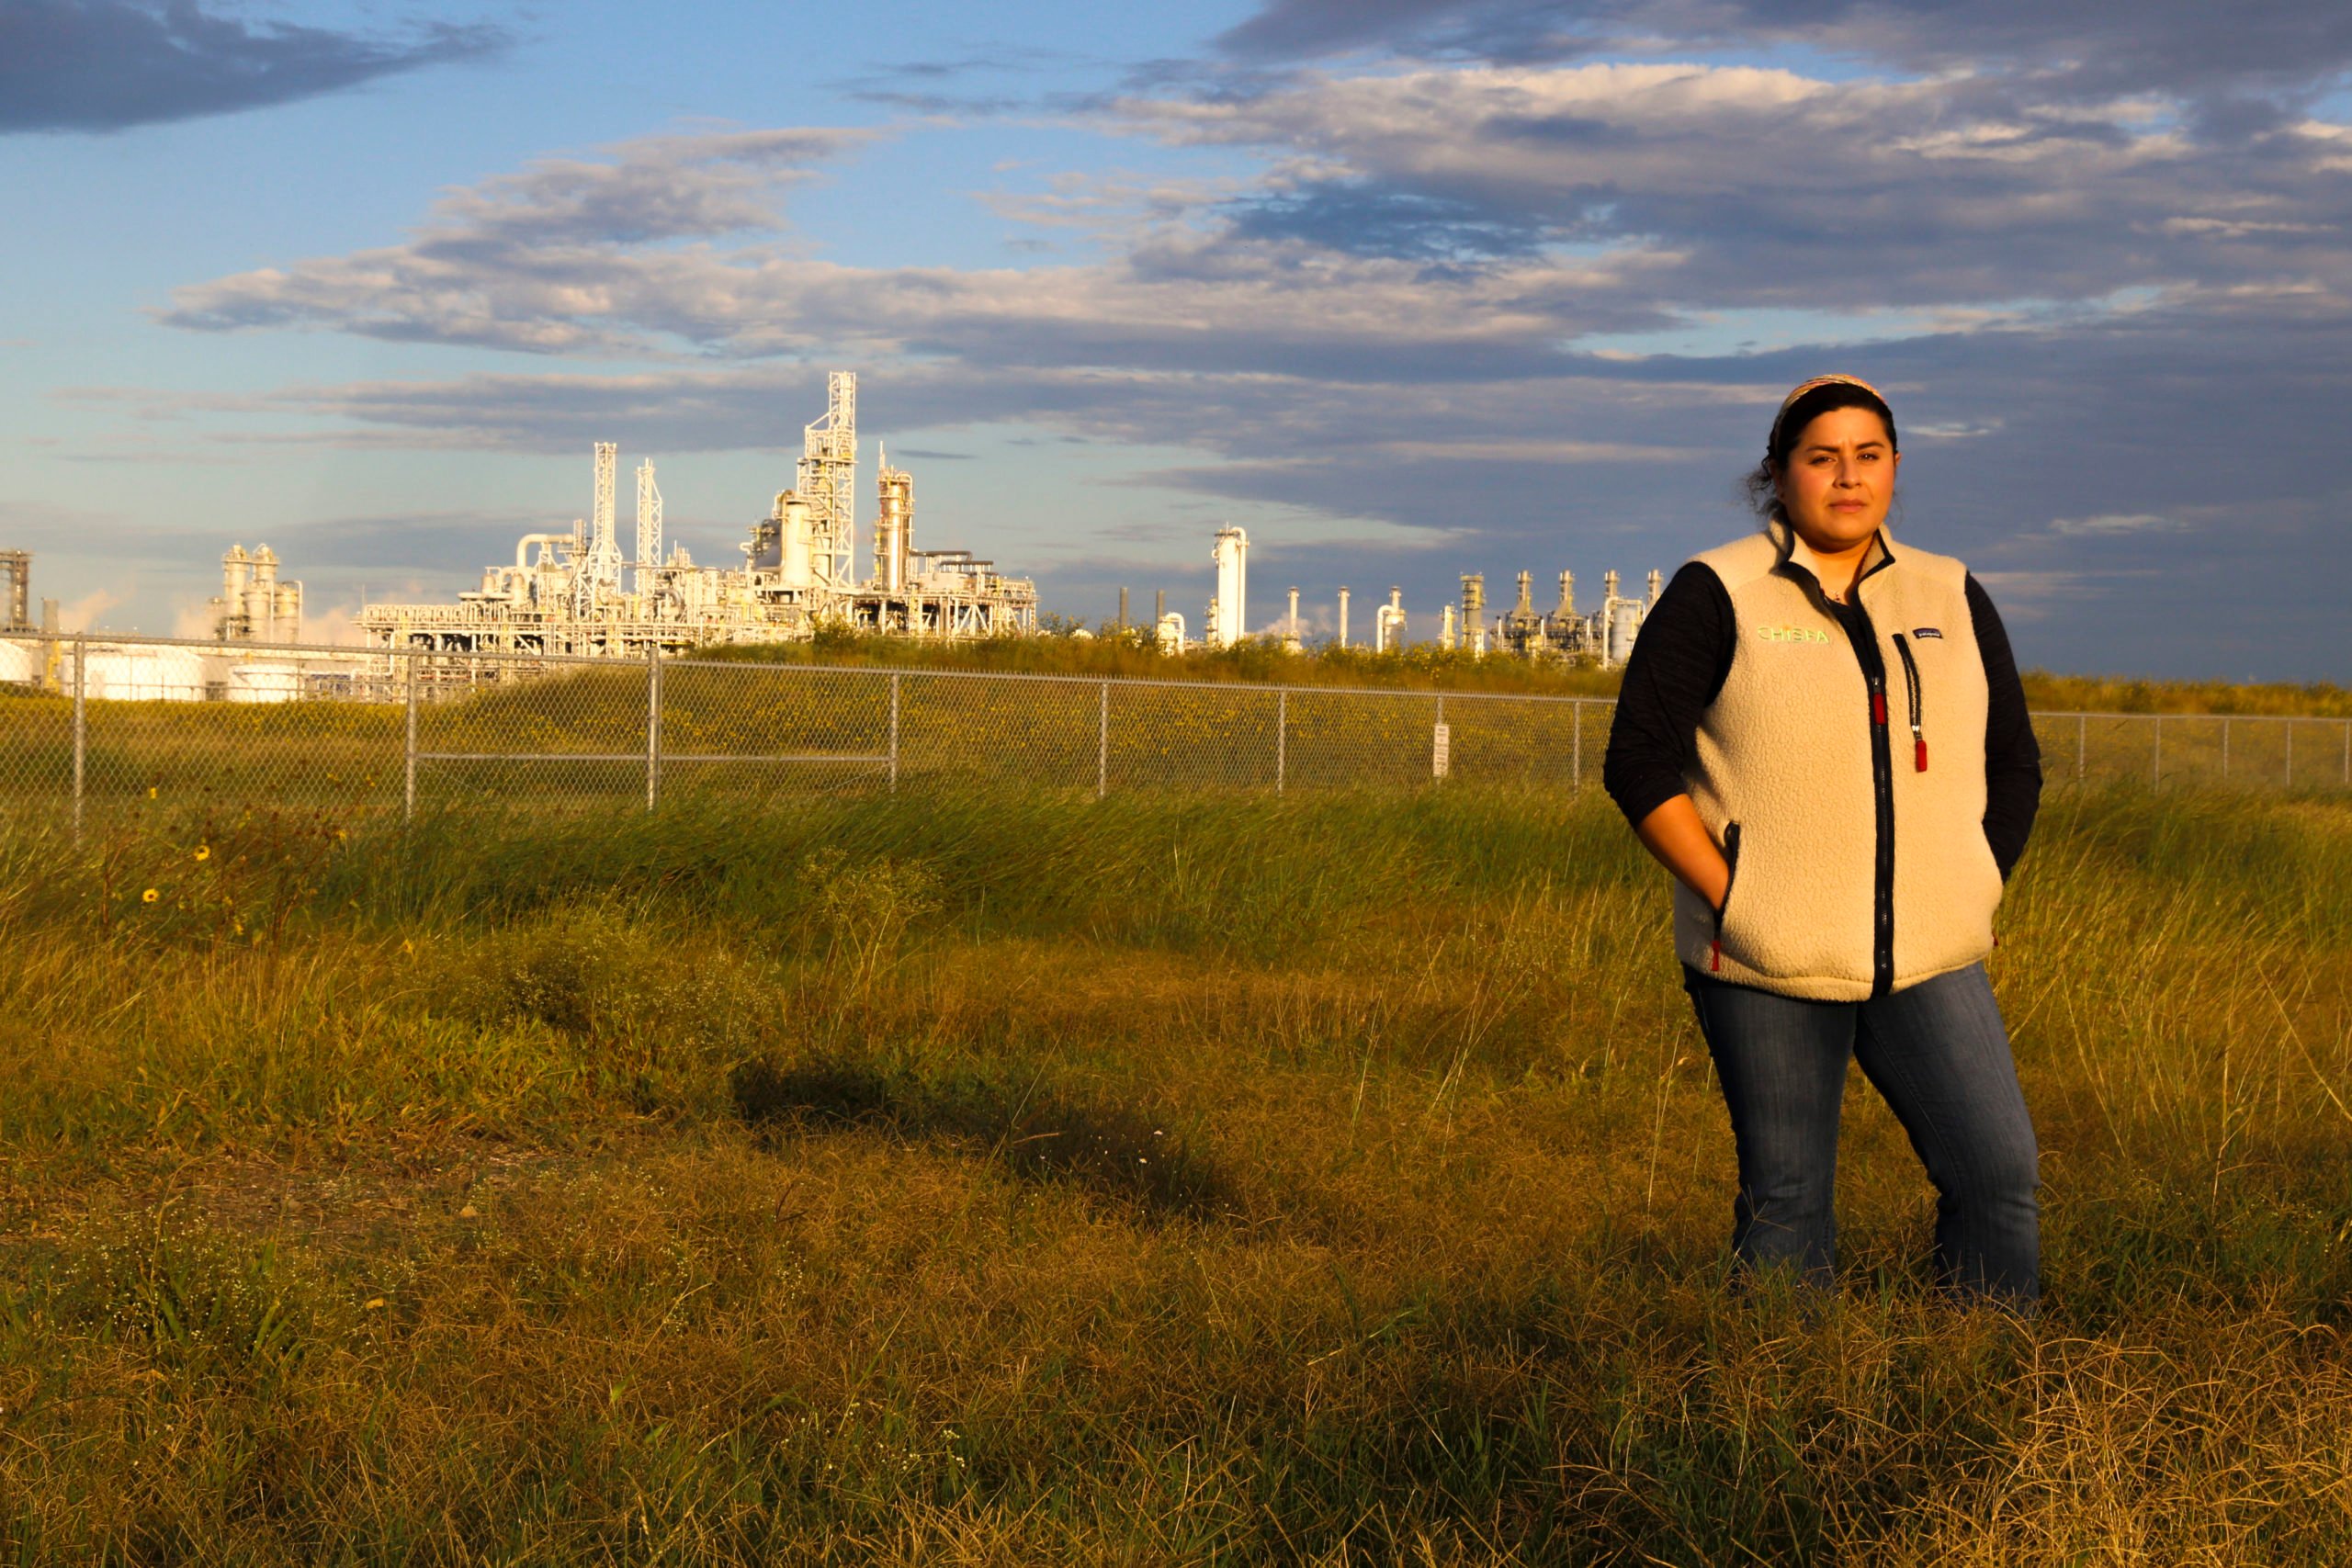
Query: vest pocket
{"points": [[1731, 881]]}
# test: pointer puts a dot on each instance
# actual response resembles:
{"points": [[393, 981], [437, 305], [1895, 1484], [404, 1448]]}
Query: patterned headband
{"points": [[1804, 387]]}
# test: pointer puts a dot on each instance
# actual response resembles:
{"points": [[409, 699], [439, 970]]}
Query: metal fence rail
{"points": [[90, 727]]}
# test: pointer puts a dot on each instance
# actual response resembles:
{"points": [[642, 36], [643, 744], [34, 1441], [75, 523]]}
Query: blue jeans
{"points": [[1938, 1054]]}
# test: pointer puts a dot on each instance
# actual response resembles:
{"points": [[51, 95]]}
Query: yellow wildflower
{"points": [[149, 896], [204, 851]]}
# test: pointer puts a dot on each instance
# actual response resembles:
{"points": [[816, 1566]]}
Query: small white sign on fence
{"points": [[1440, 750]]}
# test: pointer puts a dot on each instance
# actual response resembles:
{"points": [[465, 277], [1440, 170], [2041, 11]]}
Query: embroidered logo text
{"points": [[1792, 633], [1925, 632]]}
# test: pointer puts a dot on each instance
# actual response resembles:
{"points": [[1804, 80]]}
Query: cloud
{"points": [[2084, 46], [109, 64], [2113, 523], [565, 256], [1723, 187], [576, 256], [1466, 223]]}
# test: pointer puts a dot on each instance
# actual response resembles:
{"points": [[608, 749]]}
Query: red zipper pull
{"points": [[1715, 960], [1877, 708], [1919, 750]]}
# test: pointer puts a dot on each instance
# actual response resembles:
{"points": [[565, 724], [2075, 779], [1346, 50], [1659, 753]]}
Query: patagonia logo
{"points": [[1923, 633], [1792, 633]]}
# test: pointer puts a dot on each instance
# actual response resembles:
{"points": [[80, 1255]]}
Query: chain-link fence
{"points": [[89, 726]]}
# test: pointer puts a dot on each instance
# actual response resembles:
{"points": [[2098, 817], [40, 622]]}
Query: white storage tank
{"points": [[114, 672], [263, 680], [1625, 625], [20, 663]]}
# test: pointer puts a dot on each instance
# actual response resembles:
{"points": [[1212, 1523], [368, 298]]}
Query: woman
{"points": [[1823, 736]]}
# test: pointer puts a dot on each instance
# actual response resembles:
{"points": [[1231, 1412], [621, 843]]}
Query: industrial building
{"points": [[1606, 636], [573, 591], [255, 605]]}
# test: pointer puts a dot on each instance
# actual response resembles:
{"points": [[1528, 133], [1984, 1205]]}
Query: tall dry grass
{"points": [[1030, 1179]]}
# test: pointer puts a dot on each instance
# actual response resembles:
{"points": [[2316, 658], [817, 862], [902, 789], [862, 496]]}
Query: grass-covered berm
{"points": [[1034, 1179]]}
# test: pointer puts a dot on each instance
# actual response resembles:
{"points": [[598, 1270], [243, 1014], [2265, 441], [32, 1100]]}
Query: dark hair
{"points": [[1761, 484]]}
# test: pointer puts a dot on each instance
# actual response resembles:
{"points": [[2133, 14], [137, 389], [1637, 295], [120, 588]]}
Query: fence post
{"points": [[1282, 738], [1576, 748], [408, 796], [2082, 731], [81, 725], [2159, 752], [2225, 746], [2290, 754], [1102, 745], [894, 732], [2348, 751], [652, 723]]}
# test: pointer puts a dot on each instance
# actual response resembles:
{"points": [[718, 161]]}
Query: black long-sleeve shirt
{"points": [[1677, 666]]}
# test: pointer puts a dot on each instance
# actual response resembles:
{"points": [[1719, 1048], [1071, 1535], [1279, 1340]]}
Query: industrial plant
{"points": [[1603, 636], [575, 591]]}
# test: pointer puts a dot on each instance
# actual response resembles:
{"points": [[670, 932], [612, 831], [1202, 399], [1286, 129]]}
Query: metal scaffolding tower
{"points": [[649, 526], [604, 548], [828, 480], [17, 566]]}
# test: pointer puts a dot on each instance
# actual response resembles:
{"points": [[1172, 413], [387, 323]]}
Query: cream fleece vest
{"points": [[1795, 761]]}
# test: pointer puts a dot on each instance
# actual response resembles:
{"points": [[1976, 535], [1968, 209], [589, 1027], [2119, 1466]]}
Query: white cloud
{"points": [[2111, 524]]}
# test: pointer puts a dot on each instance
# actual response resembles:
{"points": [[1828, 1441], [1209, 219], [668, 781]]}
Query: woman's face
{"points": [[1839, 480]]}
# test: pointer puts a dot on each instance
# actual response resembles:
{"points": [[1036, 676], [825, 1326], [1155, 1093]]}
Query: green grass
{"points": [[1114, 654], [1425, 666], [1021, 1178]]}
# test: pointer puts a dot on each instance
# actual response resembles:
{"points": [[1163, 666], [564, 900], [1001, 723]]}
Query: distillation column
{"points": [[894, 527], [1229, 622], [260, 596]]}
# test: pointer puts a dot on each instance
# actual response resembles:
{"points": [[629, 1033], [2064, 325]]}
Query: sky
{"points": [[1406, 288]]}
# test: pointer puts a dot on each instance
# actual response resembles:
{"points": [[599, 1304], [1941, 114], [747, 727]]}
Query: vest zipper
{"points": [[1911, 680], [1864, 639]]}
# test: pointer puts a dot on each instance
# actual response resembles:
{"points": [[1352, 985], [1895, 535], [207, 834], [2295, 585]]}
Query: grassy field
{"points": [[1027, 1179], [576, 739]]}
